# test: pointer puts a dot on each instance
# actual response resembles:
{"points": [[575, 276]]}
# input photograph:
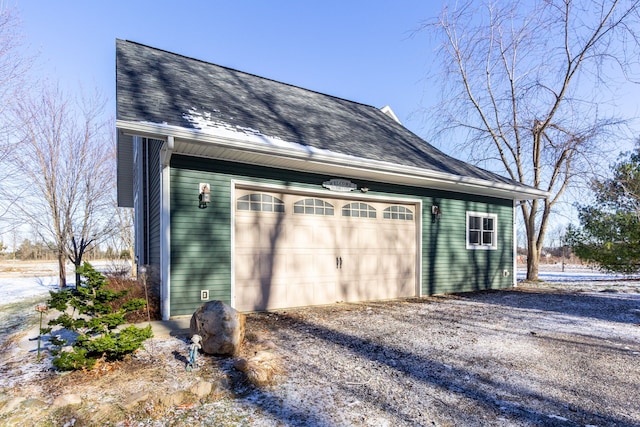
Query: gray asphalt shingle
{"points": [[162, 87]]}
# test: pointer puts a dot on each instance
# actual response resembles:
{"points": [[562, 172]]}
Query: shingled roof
{"points": [[160, 87]]}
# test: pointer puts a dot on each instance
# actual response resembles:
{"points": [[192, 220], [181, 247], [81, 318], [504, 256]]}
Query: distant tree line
{"points": [[43, 251]]}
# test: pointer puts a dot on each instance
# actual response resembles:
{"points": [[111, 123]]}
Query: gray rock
{"points": [[172, 399], [135, 399], [201, 389], [220, 326]]}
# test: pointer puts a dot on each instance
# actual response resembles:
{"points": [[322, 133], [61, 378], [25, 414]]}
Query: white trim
{"points": [[419, 257], [321, 193], [232, 194], [235, 183], [265, 150], [514, 271], [389, 112], [493, 216], [165, 232]]}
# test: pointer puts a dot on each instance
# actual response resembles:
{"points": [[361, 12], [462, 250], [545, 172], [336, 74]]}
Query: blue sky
{"points": [[365, 51]]}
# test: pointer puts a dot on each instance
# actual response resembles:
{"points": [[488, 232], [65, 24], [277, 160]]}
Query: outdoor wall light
{"points": [[204, 195], [436, 213]]}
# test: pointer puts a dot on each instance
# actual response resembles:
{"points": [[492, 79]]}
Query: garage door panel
{"points": [[325, 292], [307, 263], [300, 293], [247, 266], [366, 237], [361, 289], [261, 294], [319, 256], [260, 265], [266, 235], [275, 294], [310, 235]]}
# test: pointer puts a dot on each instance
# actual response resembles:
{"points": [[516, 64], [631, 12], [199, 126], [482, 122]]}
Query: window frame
{"points": [[276, 204], [494, 233], [317, 207], [401, 213], [349, 208]]}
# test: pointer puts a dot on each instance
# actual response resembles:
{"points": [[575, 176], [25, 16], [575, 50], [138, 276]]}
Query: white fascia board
{"points": [[356, 166], [389, 112]]}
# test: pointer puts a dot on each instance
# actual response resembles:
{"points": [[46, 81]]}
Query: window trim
{"points": [[349, 207], [276, 204], [318, 207], [399, 211], [482, 246]]}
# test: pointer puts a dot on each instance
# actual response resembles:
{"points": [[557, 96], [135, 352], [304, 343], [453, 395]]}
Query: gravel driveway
{"points": [[520, 357], [533, 356]]}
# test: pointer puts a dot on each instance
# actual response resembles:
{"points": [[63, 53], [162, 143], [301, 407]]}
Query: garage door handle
{"points": [[337, 262], [340, 263]]}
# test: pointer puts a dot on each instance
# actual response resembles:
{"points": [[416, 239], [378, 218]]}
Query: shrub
{"points": [[97, 322]]}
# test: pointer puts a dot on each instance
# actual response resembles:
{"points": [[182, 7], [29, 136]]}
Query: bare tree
{"points": [[66, 172], [14, 65], [523, 85]]}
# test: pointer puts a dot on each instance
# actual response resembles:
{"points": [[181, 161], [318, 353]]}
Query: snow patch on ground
{"points": [[17, 289], [25, 280]]}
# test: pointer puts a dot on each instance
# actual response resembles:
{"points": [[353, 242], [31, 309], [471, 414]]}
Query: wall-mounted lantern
{"points": [[204, 195], [436, 213]]}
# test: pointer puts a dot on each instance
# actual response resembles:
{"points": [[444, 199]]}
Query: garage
{"points": [[263, 195], [295, 249]]}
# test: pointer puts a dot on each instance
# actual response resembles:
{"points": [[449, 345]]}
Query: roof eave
{"points": [[256, 150]]}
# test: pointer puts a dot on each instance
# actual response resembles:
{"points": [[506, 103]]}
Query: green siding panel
{"points": [[155, 176], [201, 238]]}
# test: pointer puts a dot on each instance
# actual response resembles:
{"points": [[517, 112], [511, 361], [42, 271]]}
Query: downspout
{"points": [[515, 244], [165, 228]]}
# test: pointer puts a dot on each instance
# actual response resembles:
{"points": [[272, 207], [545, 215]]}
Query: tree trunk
{"points": [[77, 265], [533, 262], [62, 269], [132, 256]]}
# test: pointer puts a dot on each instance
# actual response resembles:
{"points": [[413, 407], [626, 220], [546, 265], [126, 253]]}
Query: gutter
{"points": [[394, 173]]}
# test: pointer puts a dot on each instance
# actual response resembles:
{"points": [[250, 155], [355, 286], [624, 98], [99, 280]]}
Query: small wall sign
{"points": [[343, 185]]}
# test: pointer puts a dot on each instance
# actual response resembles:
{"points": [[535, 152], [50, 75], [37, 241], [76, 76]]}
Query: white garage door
{"points": [[295, 250]]}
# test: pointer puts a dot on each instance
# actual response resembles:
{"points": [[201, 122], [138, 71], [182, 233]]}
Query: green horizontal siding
{"points": [[201, 238], [155, 174], [448, 266]]}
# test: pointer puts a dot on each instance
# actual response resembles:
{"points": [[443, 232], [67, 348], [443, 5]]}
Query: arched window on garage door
{"points": [[260, 202], [312, 207], [398, 212], [357, 209]]}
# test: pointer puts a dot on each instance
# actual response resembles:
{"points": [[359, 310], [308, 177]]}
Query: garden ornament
{"points": [[193, 351]]}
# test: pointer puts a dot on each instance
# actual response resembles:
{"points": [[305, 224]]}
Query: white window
{"points": [[260, 202], [361, 210], [482, 230], [312, 207], [398, 212]]}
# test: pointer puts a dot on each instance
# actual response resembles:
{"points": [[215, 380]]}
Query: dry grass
{"points": [[260, 362], [136, 289]]}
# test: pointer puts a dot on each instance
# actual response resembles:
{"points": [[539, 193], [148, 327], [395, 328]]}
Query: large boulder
{"points": [[220, 326]]}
